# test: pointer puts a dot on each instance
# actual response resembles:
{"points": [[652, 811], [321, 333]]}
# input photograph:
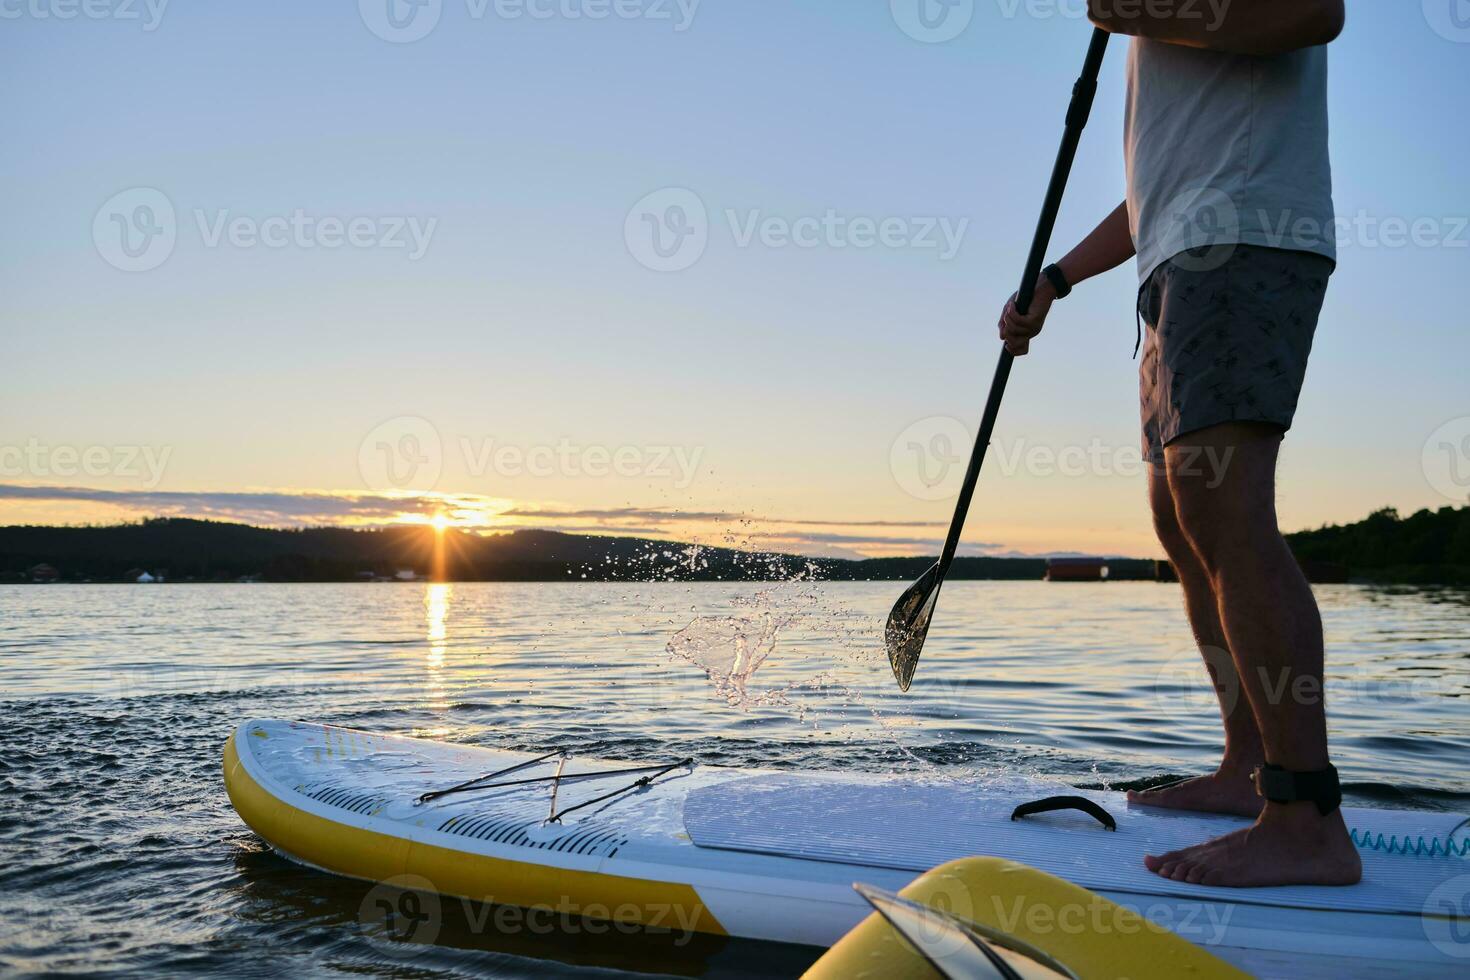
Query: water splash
{"points": [[809, 644], [731, 648]]}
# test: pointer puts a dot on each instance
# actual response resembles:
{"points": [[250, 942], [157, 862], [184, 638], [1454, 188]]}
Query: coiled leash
{"points": [[1414, 846]]}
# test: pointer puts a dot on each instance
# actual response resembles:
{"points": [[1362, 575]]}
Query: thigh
{"points": [[1235, 337], [1225, 472]]}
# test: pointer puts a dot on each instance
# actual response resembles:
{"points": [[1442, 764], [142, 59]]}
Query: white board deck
{"points": [[914, 826]]}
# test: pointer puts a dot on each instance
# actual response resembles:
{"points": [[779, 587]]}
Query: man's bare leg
{"points": [[1229, 788], [1223, 483]]}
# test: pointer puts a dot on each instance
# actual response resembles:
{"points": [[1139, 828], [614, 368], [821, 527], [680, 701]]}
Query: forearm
{"points": [[1256, 27], [1108, 246]]}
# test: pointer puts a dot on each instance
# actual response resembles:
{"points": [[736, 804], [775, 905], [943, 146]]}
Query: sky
{"points": [[724, 270]]}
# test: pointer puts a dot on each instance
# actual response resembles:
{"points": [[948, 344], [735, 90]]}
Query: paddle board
{"points": [[670, 845]]}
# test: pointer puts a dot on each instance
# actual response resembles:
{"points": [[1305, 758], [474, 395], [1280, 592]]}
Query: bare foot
{"points": [[1291, 844], [1225, 791]]}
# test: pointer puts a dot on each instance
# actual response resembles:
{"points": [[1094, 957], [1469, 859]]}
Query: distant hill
{"points": [[180, 549]]}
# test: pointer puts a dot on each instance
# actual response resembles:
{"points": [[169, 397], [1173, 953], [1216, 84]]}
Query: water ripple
{"points": [[122, 854]]}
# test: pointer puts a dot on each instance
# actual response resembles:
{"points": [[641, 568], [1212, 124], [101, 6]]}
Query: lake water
{"points": [[119, 850]]}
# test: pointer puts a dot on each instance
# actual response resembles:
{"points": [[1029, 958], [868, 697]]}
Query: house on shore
{"points": [[1076, 570]]}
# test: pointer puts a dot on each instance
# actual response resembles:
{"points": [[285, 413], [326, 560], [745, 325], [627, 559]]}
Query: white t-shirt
{"points": [[1226, 149]]}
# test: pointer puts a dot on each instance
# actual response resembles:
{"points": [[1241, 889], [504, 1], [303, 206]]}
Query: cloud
{"points": [[636, 513], [254, 507], [920, 546], [284, 508]]}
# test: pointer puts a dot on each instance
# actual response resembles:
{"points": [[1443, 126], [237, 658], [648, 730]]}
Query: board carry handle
{"points": [[1066, 803]]}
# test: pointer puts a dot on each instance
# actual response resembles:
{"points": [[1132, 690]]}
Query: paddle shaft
{"points": [[1077, 112]]}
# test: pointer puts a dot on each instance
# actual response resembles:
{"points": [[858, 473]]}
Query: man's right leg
{"points": [[1228, 789]]}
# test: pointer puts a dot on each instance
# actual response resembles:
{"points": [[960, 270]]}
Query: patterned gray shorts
{"points": [[1228, 338]]}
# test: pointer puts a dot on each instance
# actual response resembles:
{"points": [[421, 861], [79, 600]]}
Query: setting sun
{"points": [[440, 522]]}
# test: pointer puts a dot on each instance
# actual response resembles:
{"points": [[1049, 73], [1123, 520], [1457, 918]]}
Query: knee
{"points": [[1170, 533]]}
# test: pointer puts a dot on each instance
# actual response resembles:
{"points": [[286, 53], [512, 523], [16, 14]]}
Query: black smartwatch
{"points": [[1058, 280]]}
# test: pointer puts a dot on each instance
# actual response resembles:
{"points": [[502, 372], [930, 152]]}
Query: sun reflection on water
{"points": [[437, 599]]}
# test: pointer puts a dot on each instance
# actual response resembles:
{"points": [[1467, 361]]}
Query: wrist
{"points": [[1056, 281]]}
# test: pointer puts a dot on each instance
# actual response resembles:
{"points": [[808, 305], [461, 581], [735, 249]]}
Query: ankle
{"points": [[1240, 763], [1301, 817]]}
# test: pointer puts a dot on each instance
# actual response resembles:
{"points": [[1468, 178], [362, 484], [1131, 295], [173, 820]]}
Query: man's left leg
{"points": [[1223, 482]]}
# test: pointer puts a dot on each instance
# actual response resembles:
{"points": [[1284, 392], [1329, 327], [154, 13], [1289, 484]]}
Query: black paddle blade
{"points": [[908, 624]]}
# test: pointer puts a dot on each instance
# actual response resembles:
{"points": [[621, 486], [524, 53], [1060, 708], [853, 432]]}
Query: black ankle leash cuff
{"points": [[1279, 786]]}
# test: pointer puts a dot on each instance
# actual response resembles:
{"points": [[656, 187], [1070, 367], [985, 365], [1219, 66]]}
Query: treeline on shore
{"points": [[1426, 547], [187, 550], [1430, 547]]}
